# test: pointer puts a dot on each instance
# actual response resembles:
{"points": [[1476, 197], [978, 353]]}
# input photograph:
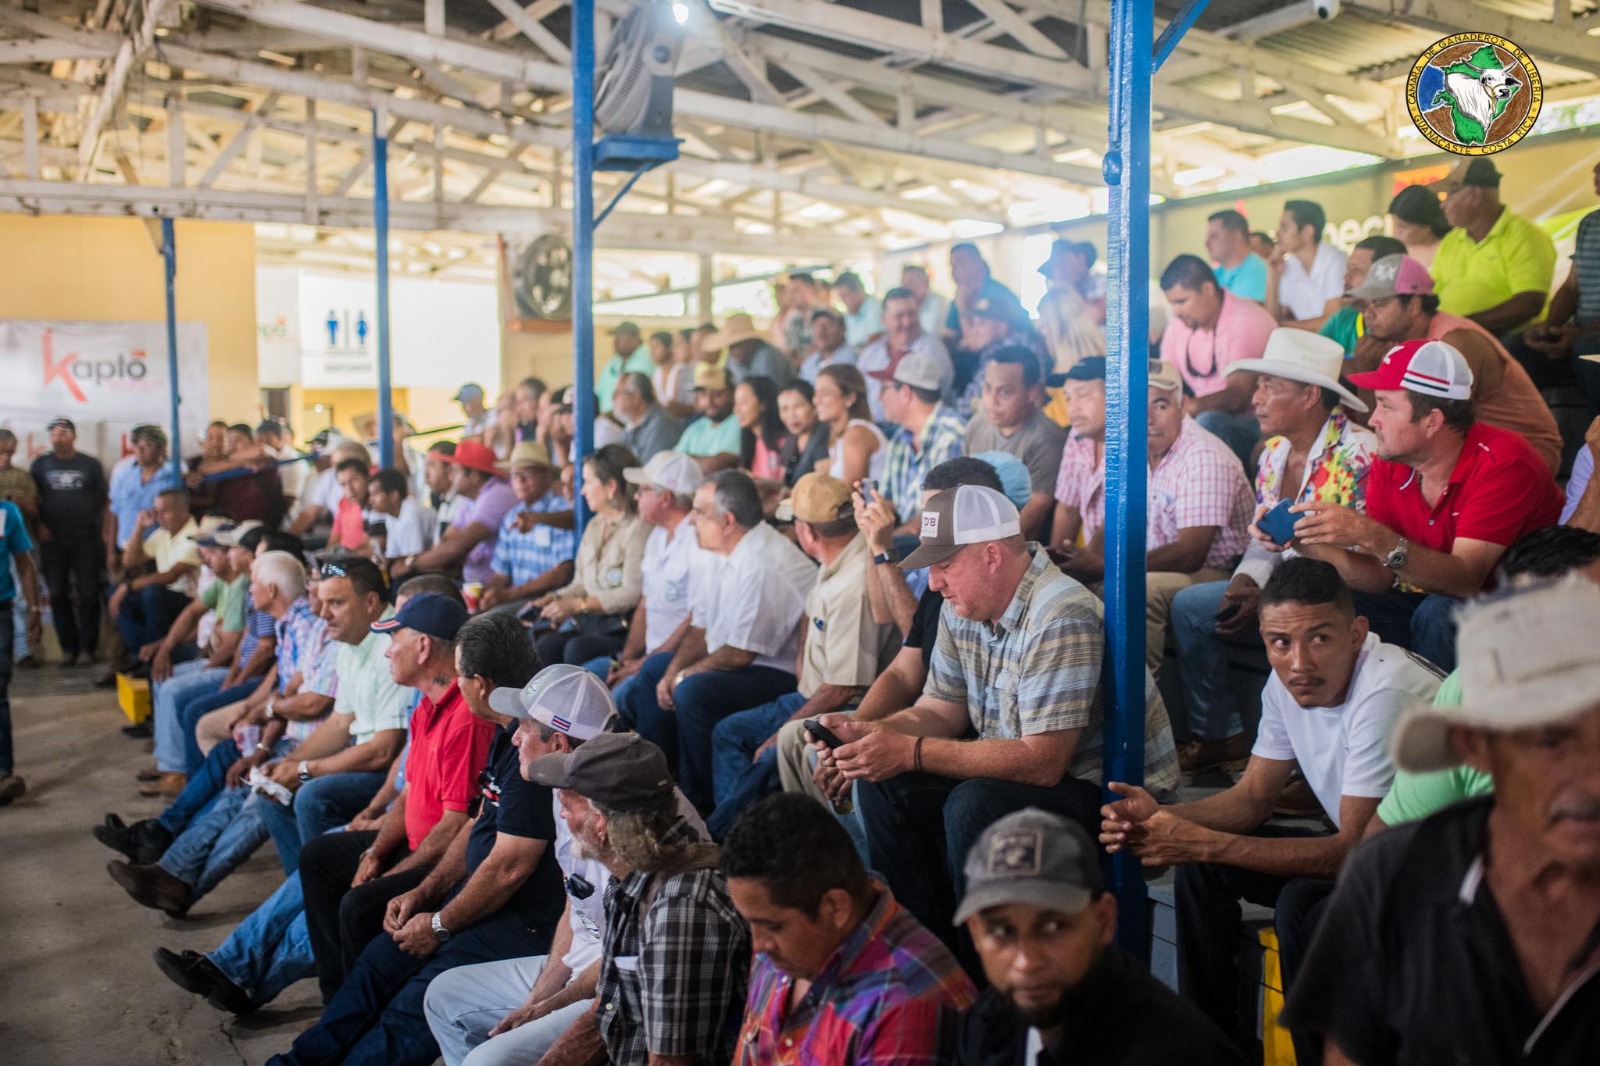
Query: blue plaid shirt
{"points": [[944, 437], [524, 556]]}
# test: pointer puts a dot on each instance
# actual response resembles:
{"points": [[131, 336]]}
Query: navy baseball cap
{"points": [[63, 421], [1089, 368], [435, 615]]}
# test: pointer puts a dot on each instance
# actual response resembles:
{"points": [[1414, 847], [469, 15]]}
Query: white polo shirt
{"points": [[759, 599], [675, 571], [1344, 750], [1305, 293]]}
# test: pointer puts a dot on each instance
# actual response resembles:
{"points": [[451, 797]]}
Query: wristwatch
{"points": [[305, 771], [1396, 559], [439, 931], [888, 556]]}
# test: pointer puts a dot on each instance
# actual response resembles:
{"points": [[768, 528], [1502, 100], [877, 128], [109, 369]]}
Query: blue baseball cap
{"points": [[1015, 481], [435, 615]]}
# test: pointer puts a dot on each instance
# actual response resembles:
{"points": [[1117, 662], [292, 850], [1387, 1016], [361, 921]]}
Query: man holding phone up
{"points": [[1313, 451]]}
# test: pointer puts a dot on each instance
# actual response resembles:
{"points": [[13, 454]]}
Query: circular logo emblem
{"points": [[1474, 93]]}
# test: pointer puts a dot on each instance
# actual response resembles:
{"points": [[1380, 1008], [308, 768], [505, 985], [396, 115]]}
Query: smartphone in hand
{"points": [[817, 731], [869, 490], [1278, 523]]}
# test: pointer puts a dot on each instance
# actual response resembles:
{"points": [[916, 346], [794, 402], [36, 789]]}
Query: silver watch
{"points": [[1396, 559], [439, 931]]}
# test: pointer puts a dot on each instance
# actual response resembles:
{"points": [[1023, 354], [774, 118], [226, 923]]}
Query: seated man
{"points": [[337, 768], [349, 878], [648, 428], [1313, 452], [1304, 272], [1199, 510], [1009, 419], [496, 893], [842, 650], [468, 544], [1018, 663], [1333, 695], [712, 440], [843, 973], [676, 994], [1469, 937], [1446, 494], [160, 571], [230, 829], [744, 641], [930, 432], [1494, 266], [533, 555], [1060, 990], [409, 528], [1080, 485], [1210, 329], [350, 518]]}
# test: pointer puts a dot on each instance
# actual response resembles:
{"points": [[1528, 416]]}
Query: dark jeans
{"points": [[8, 628], [637, 707], [376, 1018], [204, 785], [341, 920], [321, 804], [920, 827], [1424, 623], [194, 710], [1547, 373], [72, 573], [146, 615], [1209, 919], [703, 700], [570, 646]]}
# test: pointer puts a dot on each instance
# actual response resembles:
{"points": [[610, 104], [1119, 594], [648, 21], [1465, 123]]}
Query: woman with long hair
{"points": [[1417, 218], [856, 446], [590, 615], [807, 444], [755, 405]]}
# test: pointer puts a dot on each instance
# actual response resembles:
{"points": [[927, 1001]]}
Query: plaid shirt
{"points": [[943, 437], [672, 981], [303, 648], [888, 996], [524, 556], [1199, 482], [1082, 484]]}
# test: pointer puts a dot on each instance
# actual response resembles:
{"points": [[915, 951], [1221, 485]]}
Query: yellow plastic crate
{"points": [[133, 696]]}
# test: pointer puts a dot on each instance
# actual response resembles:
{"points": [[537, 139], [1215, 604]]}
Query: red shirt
{"points": [[1499, 490], [449, 745]]}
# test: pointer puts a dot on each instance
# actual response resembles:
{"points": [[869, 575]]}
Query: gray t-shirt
{"points": [[1037, 442]]}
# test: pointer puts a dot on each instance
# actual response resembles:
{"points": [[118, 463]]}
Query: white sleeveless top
{"points": [[874, 465]]}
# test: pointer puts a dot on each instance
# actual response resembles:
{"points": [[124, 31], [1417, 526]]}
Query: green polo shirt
{"points": [[705, 437], [1514, 256], [1413, 797], [227, 598]]}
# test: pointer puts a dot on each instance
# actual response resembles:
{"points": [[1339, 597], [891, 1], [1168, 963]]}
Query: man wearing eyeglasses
{"points": [[1210, 330]]}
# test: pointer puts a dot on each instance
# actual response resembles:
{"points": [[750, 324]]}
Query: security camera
{"points": [[1325, 9]]}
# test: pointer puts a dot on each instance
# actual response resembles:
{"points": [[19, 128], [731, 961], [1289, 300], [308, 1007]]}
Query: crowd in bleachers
{"points": [[795, 753]]}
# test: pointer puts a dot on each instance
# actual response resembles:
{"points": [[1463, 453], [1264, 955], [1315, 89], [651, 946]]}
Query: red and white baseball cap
{"points": [[1430, 368]]}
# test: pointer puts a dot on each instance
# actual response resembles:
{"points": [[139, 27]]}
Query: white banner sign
{"points": [[112, 372]]}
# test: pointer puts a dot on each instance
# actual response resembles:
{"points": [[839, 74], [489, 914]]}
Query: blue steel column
{"points": [[169, 259], [1127, 172], [582, 243], [380, 225]]}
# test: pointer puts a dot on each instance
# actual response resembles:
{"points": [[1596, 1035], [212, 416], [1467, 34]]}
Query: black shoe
{"points": [[114, 821], [143, 842], [153, 887], [225, 995], [138, 731], [189, 970], [29, 661]]}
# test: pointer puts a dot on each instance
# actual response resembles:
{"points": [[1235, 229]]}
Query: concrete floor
{"points": [[78, 985]]}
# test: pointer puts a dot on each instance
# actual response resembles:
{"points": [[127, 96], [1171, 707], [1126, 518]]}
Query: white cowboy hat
{"points": [[1302, 356]]}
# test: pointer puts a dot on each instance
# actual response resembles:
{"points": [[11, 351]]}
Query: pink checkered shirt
{"points": [[1200, 482], [1082, 483]]}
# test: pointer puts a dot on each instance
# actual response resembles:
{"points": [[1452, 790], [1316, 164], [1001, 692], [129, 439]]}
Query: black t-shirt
{"points": [[924, 631], [72, 495], [1119, 1016], [511, 805], [1413, 964]]}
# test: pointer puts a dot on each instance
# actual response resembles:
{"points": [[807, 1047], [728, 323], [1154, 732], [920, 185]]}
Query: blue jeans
{"points": [[203, 786], [920, 827], [737, 778], [1239, 432], [188, 681], [636, 706], [196, 708], [600, 667], [8, 623], [1424, 623], [19, 617], [321, 804], [222, 838], [707, 698], [271, 949], [146, 615], [1203, 661], [377, 1017]]}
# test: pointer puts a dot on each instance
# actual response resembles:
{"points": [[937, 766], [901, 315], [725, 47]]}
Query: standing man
{"points": [[1238, 269], [904, 335], [1469, 937], [1210, 330], [1305, 276], [470, 397], [72, 499], [17, 546], [863, 314], [1494, 267], [1009, 420], [16, 485], [929, 432], [629, 355]]}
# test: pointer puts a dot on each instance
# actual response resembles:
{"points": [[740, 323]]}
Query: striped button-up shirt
{"points": [[944, 436], [524, 556], [888, 996], [672, 980]]}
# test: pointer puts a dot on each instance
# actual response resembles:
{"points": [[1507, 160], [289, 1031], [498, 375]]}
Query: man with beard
{"points": [[1059, 989]]}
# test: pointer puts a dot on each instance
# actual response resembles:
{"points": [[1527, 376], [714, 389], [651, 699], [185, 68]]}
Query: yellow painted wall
{"points": [[108, 270]]}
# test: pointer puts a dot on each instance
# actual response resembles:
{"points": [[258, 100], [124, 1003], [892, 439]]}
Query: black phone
{"points": [[1228, 612], [869, 490], [818, 731]]}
